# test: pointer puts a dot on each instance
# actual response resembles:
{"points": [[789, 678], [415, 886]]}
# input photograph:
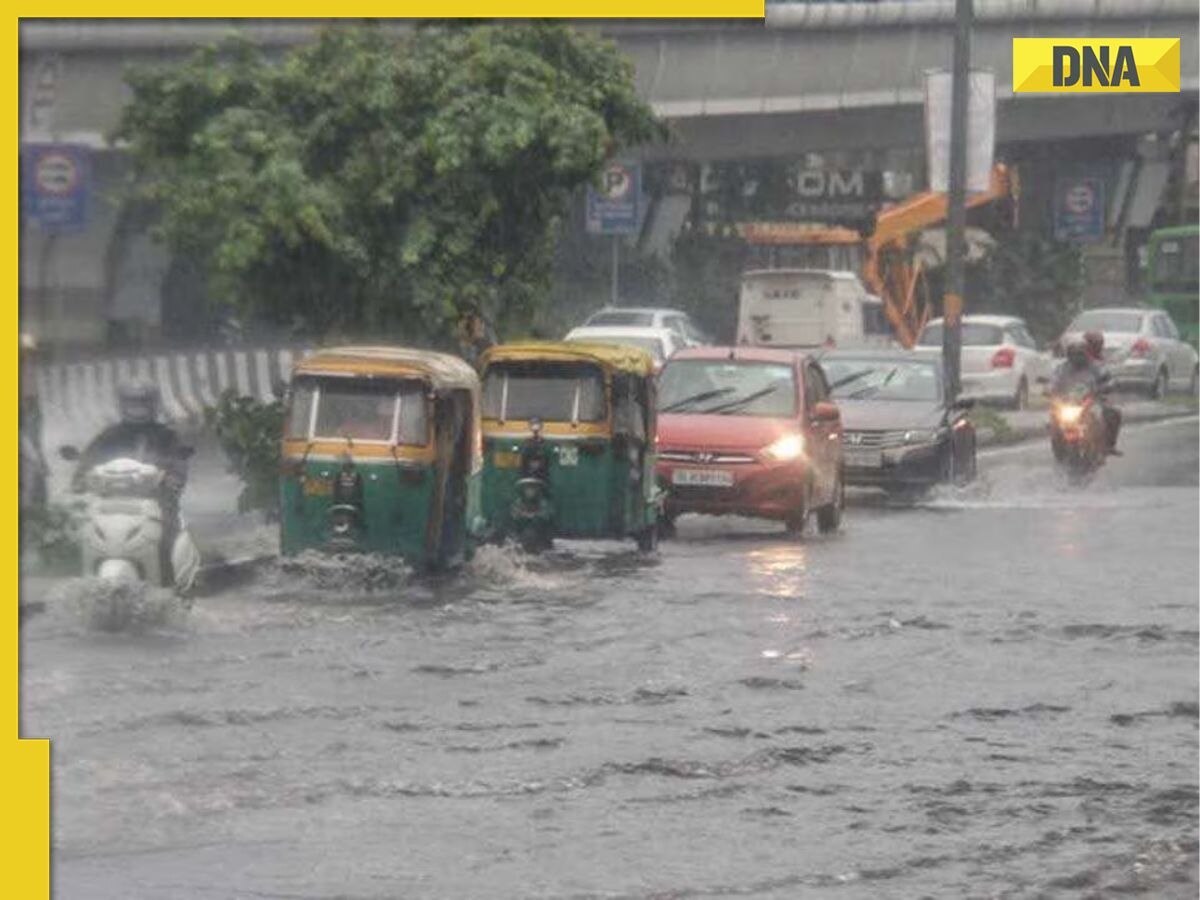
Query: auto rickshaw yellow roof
{"points": [[441, 369], [611, 356]]}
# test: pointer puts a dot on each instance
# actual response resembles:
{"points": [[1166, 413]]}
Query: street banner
{"points": [[981, 129]]}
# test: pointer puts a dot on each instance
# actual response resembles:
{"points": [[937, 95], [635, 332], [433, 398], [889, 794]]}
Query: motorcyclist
{"points": [[1093, 341], [139, 435], [1080, 369]]}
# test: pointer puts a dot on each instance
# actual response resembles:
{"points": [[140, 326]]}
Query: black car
{"points": [[900, 434]]}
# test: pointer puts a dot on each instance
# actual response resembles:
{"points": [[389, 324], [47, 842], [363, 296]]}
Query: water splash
{"points": [[112, 606]]}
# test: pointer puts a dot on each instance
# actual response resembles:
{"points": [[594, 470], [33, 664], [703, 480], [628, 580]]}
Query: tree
{"points": [[368, 183], [1024, 273]]}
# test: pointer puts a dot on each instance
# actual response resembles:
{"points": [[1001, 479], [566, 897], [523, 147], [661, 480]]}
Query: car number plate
{"points": [[318, 487], [702, 477], [863, 459]]}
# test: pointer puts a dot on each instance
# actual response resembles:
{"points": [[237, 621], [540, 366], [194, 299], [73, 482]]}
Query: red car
{"points": [[749, 431]]}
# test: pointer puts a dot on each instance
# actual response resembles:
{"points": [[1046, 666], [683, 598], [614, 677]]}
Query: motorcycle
{"points": [[121, 529], [1078, 436], [532, 512]]}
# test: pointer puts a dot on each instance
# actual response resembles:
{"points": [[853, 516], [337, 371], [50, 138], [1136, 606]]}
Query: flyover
{"points": [[811, 77]]}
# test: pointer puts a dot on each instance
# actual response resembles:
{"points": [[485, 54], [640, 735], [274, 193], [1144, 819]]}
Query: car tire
{"points": [[1158, 390], [1020, 399], [829, 516]]}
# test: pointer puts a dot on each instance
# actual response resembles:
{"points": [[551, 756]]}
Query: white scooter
{"points": [[121, 527]]}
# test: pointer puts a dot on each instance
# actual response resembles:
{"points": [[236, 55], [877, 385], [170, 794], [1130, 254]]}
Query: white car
{"points": [[1142, 348], [1000, 359], [660, 343], [650, 317]]}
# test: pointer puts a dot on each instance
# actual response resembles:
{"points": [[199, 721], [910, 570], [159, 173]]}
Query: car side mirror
{"points": [[827, 412], [69, 453], [1042, 379]]}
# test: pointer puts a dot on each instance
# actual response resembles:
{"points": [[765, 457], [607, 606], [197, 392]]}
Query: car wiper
{"points": [[842, 382], [724, 408], [695, 398]]}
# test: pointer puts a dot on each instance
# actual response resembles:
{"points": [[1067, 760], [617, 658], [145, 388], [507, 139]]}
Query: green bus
{"points": [[1173, 275]]}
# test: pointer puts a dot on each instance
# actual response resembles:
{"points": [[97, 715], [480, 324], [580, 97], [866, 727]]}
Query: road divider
{"points": [[77, 400]]}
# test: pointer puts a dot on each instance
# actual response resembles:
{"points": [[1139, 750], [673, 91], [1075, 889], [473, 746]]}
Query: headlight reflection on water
{"points": [[780, 571]]}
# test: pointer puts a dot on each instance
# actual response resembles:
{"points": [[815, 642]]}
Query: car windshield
{"points": [[634, 319], [974, 334], [554, 392], [884, 379], [382, 411], [1097, 320], [722, 387], [651, 345]]}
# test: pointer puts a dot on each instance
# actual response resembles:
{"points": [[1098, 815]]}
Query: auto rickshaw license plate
{"points": [[317, 487], [702, 477], [505, 459]]}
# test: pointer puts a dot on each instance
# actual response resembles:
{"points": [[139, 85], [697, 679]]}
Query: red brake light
{"points": [[1003, 358], [1140, 347]]}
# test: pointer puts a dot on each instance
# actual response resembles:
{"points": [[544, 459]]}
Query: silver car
{"points": [[1142, 348]]}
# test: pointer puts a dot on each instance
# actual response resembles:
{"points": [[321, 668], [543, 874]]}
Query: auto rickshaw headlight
{"points": [[786, 448]]}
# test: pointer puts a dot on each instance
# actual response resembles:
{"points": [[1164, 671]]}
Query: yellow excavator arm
{"points": [[888, 267]]}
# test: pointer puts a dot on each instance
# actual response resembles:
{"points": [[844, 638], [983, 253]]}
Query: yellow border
{"points": [[25, 763], [433, 9]]}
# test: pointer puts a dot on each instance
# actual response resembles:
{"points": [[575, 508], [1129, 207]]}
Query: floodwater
{"points": [[993, 694]]}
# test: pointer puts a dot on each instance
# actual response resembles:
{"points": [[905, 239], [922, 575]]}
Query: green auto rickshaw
{"points": [[381, 454], [568, 431]]}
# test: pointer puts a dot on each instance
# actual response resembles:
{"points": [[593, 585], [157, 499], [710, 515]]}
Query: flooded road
{"points": [[991, 695]]}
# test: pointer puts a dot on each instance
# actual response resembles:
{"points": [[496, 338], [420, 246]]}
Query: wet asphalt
{"points": [[990, 694]]}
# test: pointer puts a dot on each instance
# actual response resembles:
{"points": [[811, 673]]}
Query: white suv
{"points": [[650, 317], [1000, 359], [1142, 348]]}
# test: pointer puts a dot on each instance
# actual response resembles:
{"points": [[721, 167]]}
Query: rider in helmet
{"points": [[1093, 341], [139, 435], [1082, 367]]}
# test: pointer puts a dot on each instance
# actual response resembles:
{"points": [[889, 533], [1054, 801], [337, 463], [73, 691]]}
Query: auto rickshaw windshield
{"points": [[554, 392], [382, 411]]}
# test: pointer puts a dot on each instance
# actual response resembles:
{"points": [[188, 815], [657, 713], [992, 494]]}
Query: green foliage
{"points": [[50, 537], [249, 433], [371, 184], [1025, 274]]}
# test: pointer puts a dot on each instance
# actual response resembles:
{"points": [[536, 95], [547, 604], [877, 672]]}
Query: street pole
{"points": [[956, 220], [616, 265]]}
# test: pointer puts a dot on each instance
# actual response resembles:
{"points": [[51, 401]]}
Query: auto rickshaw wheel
{"points": [[647, 538], [666, 526]]}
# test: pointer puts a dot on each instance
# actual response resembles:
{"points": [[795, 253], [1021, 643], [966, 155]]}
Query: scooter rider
{"points": [[1078, 368], [1093, 342], [139, 435]]}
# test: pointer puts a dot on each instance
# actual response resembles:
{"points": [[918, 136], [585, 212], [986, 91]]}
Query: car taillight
{"points": [[1141, 347], [1003, 358]]}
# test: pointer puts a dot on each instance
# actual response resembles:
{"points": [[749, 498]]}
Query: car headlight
{"points": [[788, 447], [1068, 414], [921, 436]]}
